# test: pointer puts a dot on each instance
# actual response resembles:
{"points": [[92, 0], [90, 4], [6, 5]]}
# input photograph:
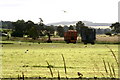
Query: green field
{"points": [[79, 58]]}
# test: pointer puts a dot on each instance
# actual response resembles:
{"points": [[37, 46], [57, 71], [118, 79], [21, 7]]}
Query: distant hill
{"points": [[87, 23]]}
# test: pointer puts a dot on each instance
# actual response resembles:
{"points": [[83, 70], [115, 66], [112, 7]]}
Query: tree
{"points": [[50, 29], [33, 32], [32, 29], [66, 28], [108, 33], [29, 25], [115, 27], [41, 29], [79, 25], [71, 27], [19, 28], [60, 31], [25, 28]]}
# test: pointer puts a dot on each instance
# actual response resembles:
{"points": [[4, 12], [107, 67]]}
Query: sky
{"points": [[101, 11]]}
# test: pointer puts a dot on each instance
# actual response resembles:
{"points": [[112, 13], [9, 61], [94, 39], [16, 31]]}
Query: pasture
{"points": [[31, 58]]}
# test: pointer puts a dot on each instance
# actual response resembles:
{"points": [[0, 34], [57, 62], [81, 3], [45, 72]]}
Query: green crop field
{"points": [[30, 58]]}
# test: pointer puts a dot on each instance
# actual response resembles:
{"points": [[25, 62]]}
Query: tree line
{"points": [[33, 30], [29, 28]]}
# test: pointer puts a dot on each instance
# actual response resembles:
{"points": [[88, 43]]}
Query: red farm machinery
{"points": [[70, 36]]}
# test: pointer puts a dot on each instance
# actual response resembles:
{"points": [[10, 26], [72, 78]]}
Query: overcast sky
{"points": [[104, 11]]}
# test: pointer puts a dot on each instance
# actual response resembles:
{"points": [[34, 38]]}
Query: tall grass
{"points": [[49, 66], [113, 55], [110, 69], [96, 66], [23, 75], [58, 75], [105, 66], [112, 66], [94, 72], [64, 64], [18, 77]]}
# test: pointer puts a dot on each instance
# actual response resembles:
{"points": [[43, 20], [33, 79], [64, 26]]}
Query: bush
{"points": [[108, 33], [16, 34]]}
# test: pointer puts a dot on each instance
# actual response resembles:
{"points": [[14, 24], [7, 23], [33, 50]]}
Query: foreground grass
{"points": [[31, 58]]}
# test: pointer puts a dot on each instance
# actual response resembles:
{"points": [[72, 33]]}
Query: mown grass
{"points": [[31, 58]]}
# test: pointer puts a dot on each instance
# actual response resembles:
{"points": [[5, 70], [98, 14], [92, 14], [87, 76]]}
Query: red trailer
{"points": [[70, 36]]}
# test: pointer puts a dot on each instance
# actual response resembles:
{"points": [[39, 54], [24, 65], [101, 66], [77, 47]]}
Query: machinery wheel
{"points": [[74, 42], [92, 43], [67, 42], [85, 43]]}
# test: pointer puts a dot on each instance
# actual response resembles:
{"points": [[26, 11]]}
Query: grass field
{"points": [[31, 58]]}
